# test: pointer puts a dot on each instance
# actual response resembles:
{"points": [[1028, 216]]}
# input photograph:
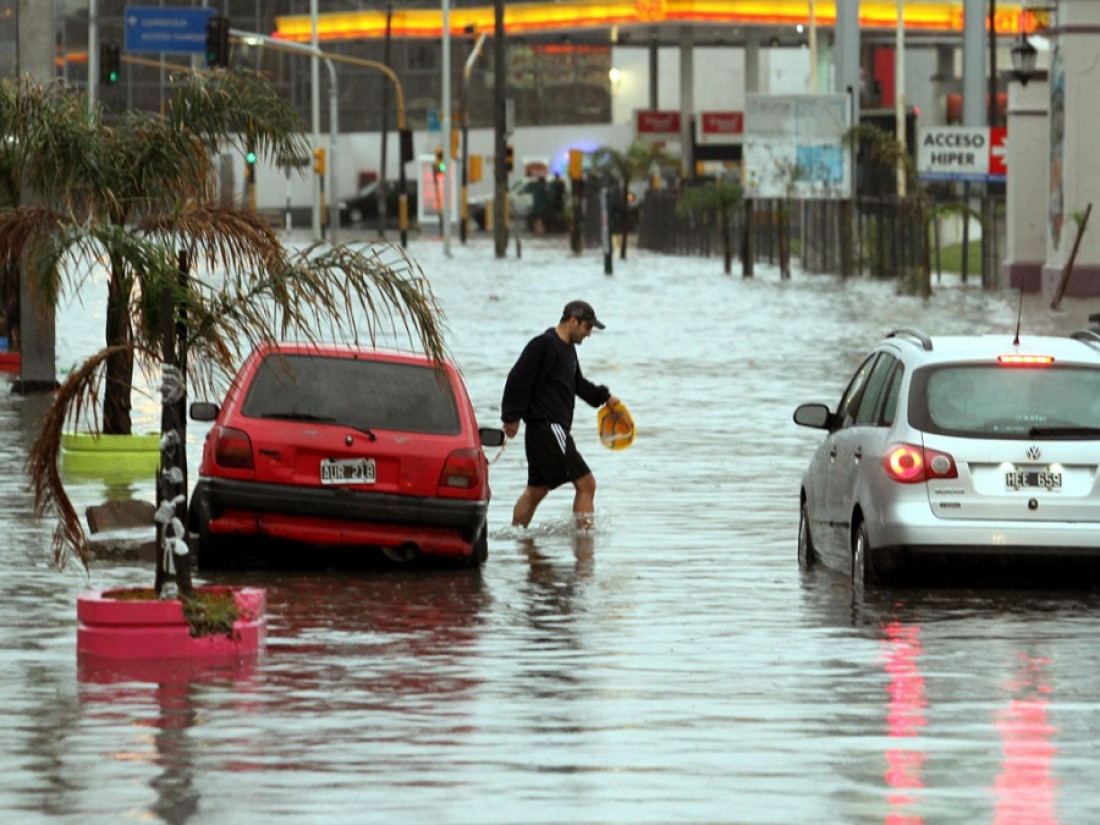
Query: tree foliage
{"points": [[134, 194], [636, 163], [720, 199]]}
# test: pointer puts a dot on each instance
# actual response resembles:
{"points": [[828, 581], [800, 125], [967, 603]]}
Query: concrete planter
{"points": [[85, 454], [129, 624]]}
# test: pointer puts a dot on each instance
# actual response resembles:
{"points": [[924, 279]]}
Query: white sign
{"points": [[794, 146], [960, 153]]}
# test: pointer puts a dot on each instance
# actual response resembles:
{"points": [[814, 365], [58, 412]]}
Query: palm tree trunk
{"points": [[120, 365]]}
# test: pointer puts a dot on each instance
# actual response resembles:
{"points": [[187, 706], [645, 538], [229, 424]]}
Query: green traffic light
{"points": [[114, 77], [250, 157]]}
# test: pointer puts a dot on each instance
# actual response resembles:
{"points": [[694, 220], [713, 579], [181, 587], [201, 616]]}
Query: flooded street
{"points": [[672, 666]]}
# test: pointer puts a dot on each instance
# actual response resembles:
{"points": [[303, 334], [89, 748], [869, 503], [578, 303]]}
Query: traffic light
{"points": [[217, 41], [250, 165], [319, 160], [109, 60], [509, 158], [440, 164]]}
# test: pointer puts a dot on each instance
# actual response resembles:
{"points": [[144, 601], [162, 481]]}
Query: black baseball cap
{"points": [[582, 311]]}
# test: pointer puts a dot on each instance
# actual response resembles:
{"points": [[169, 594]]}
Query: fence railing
{"points": [[888, 233]]}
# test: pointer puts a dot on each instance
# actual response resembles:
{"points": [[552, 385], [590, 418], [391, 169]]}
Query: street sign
{"points": [[968, 154], [794, 146], [169, 29], [653, 123], [721, 127], [998, 147]]}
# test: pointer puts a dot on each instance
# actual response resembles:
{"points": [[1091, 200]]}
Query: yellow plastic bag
{"points": [[615, 426]]}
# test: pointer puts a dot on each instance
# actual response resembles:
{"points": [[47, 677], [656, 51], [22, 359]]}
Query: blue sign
{"points": [[171, 29]]}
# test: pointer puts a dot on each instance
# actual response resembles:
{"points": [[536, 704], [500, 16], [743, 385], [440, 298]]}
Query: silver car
{"points": [[978, 447]]}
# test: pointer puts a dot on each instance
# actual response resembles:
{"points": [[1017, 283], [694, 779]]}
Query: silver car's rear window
{"points": [[995, 401], [369, 395]]}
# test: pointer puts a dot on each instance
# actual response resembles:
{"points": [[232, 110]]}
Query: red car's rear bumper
{"points": [[309, 530], [336, 517]]}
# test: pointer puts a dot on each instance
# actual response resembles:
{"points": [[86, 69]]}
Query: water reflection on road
{"points": [[671, 666]]}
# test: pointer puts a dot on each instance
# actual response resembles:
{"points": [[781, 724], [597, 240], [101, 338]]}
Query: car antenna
{"points": [[1019, 315]]}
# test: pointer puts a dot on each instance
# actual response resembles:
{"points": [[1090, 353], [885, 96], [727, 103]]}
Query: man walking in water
{"points": [[541, 390]]}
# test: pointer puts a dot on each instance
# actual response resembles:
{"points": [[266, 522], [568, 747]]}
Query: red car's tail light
{"points": [[233, 448], [1026, 360], [911, 464], [462, 474]]}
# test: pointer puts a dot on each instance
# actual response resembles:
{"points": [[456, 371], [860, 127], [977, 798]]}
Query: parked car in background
{"points": [[981, 448], [362, 207], [521, 197], [343, 446]]}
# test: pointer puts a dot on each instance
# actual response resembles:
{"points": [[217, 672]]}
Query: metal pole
{"points": [[446, 93], [93, 53], [899, 96], [334, 114], [813, 47], [315, 114], [383, 195], [464, 218], [500, 180]]}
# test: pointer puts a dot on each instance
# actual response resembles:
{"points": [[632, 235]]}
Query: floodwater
{"points": [[672, 666]]}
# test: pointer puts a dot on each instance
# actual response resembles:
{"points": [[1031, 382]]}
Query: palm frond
{"points": [[27, 235], [239, 105], [75, 398]]}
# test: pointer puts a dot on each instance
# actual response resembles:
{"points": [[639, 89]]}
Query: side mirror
{"points": [[204, 411], [813, 415], [491, 436]]}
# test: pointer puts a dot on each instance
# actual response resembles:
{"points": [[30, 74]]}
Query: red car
{"points": [[344, 446]]}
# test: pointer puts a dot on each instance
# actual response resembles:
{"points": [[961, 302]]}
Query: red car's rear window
{"points": [[367, 394]]}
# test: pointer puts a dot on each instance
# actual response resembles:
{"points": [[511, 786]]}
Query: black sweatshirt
{"points": [[544, 381]]}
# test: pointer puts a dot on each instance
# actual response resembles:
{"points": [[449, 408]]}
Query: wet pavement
{"points": [[672, 666]]}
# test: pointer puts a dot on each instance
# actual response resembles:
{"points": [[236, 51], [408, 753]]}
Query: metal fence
{"points": [[887, 238]]}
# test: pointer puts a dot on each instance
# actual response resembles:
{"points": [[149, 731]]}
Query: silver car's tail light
{"points": [[912, 464]]}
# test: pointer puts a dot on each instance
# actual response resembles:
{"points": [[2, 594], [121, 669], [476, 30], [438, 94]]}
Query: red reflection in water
{"points": [[905, 718], [1025, 788]]}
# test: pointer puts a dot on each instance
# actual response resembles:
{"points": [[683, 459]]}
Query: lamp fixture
{"points": [[1023, 59]]}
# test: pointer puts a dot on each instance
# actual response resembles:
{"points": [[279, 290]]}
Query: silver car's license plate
{"points": [[1017, 479], [347, 471]]}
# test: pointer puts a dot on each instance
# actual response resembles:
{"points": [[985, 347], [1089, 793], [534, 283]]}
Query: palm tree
{"points": [[100, 184], [636, 163], [721, 198], [139, 195]]}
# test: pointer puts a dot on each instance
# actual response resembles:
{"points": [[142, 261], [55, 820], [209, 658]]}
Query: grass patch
{"points": [[951, 257]]}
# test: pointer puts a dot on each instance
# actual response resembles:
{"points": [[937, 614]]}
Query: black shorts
{"points": [[552, 457]]}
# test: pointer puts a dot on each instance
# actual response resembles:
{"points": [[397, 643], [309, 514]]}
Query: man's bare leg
{"points": [[526, 505], [584, 501]]}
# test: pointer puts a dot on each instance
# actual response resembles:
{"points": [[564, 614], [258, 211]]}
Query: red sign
{"points": [[998, 159], [653, 122], [723, 123]]}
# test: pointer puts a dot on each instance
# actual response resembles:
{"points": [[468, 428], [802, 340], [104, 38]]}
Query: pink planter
{"points": [[10, 362], [135, 629]]}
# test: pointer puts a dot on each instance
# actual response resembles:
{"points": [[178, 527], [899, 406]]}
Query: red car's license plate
{"points": [[347, 471]]}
